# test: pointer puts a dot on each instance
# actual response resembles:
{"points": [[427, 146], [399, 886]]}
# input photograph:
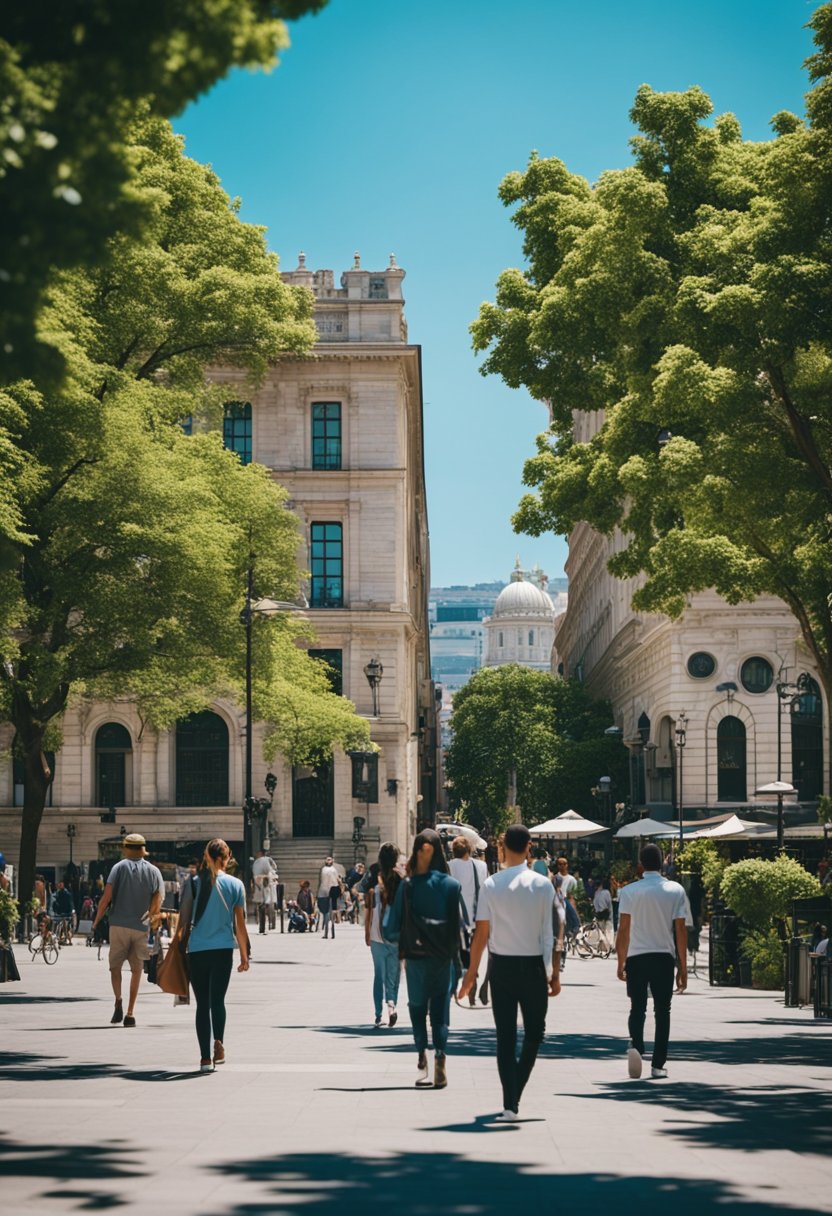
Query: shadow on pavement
{"points": [[411, 1184], [20, 1066], [753, 1120], [23, 998], [79, 1163]]}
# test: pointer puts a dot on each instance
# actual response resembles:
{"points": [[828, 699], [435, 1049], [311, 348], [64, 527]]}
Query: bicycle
{"points": [[62, 930], [591, 938], [44, 944]]}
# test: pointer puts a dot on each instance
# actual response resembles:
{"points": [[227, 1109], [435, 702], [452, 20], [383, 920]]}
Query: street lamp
{"points": [[374, 671], [781, 789], [71, 832], [681, 740], [256, 807]]}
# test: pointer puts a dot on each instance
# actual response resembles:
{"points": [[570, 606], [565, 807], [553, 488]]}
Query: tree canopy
{"points": [[125, 542], [72, 76], [546, 729], [687, 300]]}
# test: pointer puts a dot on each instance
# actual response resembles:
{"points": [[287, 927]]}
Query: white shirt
{"points": [[329, 878], [462, 869], [822, 948], [652, 905], [517, 903], [566, 884], [602, 900], [264, 873]]}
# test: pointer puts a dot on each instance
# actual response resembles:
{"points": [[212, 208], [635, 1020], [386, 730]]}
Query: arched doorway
{"points": [[807, 743], [730, 760], [202, 760], [313, 800], [113, 751]]}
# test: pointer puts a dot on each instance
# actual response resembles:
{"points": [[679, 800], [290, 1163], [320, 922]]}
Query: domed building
{"points": [[522, 626]]}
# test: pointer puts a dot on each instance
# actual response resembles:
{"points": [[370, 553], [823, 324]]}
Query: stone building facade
{"points": [[342, 430], [521, 629], [717, 669]]}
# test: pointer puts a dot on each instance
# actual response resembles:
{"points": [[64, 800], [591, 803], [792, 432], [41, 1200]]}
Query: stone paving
{"points": [[315, 1111]]}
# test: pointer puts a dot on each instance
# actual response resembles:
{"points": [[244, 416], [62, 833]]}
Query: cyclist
{"points": [[63, 910]]}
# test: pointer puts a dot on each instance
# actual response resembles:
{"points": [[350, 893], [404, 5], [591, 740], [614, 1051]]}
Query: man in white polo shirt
{"points": [[651, 935], [514, 919]]}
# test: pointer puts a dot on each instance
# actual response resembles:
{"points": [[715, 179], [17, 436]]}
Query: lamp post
{"points": [[374, 671], [71, 832], [681, 740], [254, 807]]}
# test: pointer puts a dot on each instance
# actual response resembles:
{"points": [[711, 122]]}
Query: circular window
{"points": [[701, 665], [756, 675]]}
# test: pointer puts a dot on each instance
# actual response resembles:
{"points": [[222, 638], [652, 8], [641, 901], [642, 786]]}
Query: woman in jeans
{"points": [[425, 920], [217, 916], [386, 962]]}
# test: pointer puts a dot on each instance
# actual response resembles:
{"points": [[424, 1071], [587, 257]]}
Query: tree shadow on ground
{"points": [[758, 1119], [20, 1066], [24, 998], [80, 1163], [412, 1184]]}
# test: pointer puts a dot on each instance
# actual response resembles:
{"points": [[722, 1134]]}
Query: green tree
{"points": [[761, 892], [548, 731], [123, 568], [703, 857], [688, 299], [72, 75]]}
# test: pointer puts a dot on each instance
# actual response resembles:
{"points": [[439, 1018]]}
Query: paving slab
{"points": [[316, 1113]]}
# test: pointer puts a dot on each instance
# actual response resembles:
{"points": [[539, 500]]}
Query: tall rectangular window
{"points": [[327, 564], [326, 434], [236, 429], [334, 660]]}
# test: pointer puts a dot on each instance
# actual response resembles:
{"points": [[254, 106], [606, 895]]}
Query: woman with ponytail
{"points": [[217, 915], [386, 962]]}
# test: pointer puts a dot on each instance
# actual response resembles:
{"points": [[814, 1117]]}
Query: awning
{"points": [[646, 827], [569, 824]]}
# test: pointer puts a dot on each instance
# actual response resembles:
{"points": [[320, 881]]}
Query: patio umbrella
{"points": [[566, 826], [462, 829], [646, 827], [732, 829]]}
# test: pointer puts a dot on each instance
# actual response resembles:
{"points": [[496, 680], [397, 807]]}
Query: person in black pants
{"points": [[515, 921], [651, 935]]}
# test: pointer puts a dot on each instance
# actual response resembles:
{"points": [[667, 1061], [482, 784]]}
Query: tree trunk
{"points": [[37, 780]]}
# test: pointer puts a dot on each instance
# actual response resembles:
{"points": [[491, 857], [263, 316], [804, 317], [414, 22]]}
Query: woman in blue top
{"points": [[425, 921], [216, 917]]}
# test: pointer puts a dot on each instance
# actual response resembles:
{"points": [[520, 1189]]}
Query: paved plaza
{"points": [[315, 1111]]}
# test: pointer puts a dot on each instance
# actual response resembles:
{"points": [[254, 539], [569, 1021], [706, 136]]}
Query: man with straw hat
{"points": [[133, 893]]}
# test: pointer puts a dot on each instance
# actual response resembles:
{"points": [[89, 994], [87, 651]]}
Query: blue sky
{"points": [[388, 127]]}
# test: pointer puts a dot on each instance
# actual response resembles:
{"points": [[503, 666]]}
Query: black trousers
{"points": [[210, 974], [518, 982], [653, 973]]}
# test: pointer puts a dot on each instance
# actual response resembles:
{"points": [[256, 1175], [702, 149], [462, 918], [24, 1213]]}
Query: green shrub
{"points": [[9, 915], [623, 871], [764, 950], [761, 892], [703, 857]]}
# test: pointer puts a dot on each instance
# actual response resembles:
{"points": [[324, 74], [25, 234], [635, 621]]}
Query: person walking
{"points": [[133, 894], [425, 920], [470, 873], [515, 919], [602, 906], [651, 936], [264, 874], [217, 915], [329, 892], [387, 965]]}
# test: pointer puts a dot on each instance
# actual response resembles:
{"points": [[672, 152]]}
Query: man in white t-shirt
{"points": [[329, 888], [470, 873], [651, 935], [514, 918], [602, 905]]}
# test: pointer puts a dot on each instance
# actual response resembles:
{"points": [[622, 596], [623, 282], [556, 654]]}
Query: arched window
{"points": [[730, 760], [202, 760], [113, 751], [807, 743]]}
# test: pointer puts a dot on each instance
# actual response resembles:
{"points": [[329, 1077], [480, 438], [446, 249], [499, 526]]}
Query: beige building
{"points": [[342, 430], [521, 629], [713, 674]]}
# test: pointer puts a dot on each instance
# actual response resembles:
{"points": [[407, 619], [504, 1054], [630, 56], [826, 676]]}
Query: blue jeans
{"points": [[430, 982], [386, 972]]}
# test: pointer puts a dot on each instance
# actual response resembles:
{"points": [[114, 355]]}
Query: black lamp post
{"points": [[681, 740], [256, 808], [374, 671], [71, 832]]}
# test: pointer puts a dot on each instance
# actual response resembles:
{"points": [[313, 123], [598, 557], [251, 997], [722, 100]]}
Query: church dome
{"points": [[524, 599]]}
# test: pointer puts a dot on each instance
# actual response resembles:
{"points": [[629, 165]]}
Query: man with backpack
{"points": [[133, 893]]}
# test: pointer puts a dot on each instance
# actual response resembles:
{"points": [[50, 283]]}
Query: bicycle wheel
{"points": [[35, 943], [582, 947], [50, 952]]}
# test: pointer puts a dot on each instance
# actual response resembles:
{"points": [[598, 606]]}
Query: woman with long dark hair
{"points": [[217, 916], [425, 921], [387, 965]]}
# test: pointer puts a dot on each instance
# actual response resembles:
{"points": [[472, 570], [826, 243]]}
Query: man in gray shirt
{"points": [[133, 893]]}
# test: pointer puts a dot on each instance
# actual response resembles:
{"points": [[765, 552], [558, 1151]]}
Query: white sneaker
{"points": [[634, 1063], [657, 1073], [507, 1116]]}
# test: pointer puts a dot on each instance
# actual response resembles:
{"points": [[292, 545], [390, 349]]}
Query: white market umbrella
{"points": [[732, 829], [568, 825], [781, 788], [646, 827], [462, 829]]}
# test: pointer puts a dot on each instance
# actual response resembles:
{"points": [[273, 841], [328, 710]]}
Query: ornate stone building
{"points": [[719, 666], [342, 430], [521, 629]]}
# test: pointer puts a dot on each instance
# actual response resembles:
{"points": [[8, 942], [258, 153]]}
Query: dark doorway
{"points": [[731, 766], [112, 747], [807, 743], [313, 801]]}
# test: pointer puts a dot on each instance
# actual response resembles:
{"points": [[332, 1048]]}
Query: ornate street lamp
{"points": [[71, 832], [681, 740], [374, 671]]}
